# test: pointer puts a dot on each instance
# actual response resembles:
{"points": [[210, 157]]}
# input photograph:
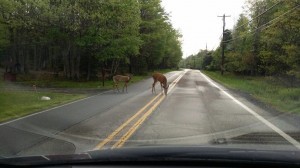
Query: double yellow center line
{"points": [[159, 98]]}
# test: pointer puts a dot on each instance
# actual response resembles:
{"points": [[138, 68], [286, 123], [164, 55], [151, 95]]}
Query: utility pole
{"points": [[194, 62], [206, 50], [223, 44]]}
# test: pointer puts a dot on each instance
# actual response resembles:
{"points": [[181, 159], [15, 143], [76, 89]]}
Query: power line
{"points": [[261, 27], [254, 18], [260, 14]]}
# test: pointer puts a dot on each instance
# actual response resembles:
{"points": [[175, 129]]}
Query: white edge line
{"points": [[54, 108], [263, 120], [33, 114]]}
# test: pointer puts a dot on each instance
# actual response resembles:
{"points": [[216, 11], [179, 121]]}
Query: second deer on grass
{"points": [[163, 82], [121, 78]]}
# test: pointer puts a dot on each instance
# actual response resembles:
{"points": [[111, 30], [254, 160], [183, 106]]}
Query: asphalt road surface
{"points": [[196, 111]]}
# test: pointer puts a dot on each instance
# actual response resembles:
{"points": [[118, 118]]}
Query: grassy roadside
{"points": [[17, 103], [265, 89], [108, 84]]}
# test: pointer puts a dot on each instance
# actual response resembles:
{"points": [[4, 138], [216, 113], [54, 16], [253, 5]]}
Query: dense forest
{"points": [[265, 41], [77, 39]]}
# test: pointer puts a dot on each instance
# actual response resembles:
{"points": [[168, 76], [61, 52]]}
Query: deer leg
{"points": [[153, 87], [117, 87], [123, 87], [114, 85]]}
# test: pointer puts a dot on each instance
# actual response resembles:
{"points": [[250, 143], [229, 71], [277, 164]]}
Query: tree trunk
{"points": [[130, 64], [66, 58], [78, 64], [69, 60], [26, 60], [88, 67], [35, 58]]}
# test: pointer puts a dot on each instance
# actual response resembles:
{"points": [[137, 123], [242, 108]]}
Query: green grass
{"points": [[59, 83], [66, 84], [108, 84], [265, 89], [16, 104]]}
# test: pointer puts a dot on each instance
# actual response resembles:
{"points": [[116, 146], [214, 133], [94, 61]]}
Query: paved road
{"points": [[196, 111]]}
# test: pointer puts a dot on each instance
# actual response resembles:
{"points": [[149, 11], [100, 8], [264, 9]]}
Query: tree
{"points": [[160, 46], [280, 51], [240, 58], [79, 38]]}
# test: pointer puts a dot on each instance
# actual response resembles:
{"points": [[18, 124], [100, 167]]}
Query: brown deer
{"points": [[121, 78], [163, 82]]}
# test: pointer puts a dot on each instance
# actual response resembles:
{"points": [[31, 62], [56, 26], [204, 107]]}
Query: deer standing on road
{"points": [[121, 78], [163, 82]]}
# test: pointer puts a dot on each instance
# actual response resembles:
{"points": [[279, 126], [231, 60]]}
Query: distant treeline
{"points": [[79, 38], [265, 41]]}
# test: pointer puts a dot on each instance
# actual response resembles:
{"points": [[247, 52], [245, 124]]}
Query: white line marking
{"points": [[4, 123], [263, 120], [54, 108]]}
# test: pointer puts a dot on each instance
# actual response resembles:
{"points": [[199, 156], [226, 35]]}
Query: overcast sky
{"points": [[198, 22]]}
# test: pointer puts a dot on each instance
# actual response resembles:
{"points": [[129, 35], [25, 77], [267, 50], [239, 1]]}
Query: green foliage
{"points": [[203, 60], [239, 59], [264, 41], [266, 89], [280, 52], [79, 38], [161, 47], [16, 104]]}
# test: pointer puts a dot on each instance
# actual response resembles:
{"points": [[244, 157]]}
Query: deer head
{"points": [[166, 89]]}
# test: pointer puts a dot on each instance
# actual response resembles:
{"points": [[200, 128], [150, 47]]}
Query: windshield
{"points": [[81, 75]]}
